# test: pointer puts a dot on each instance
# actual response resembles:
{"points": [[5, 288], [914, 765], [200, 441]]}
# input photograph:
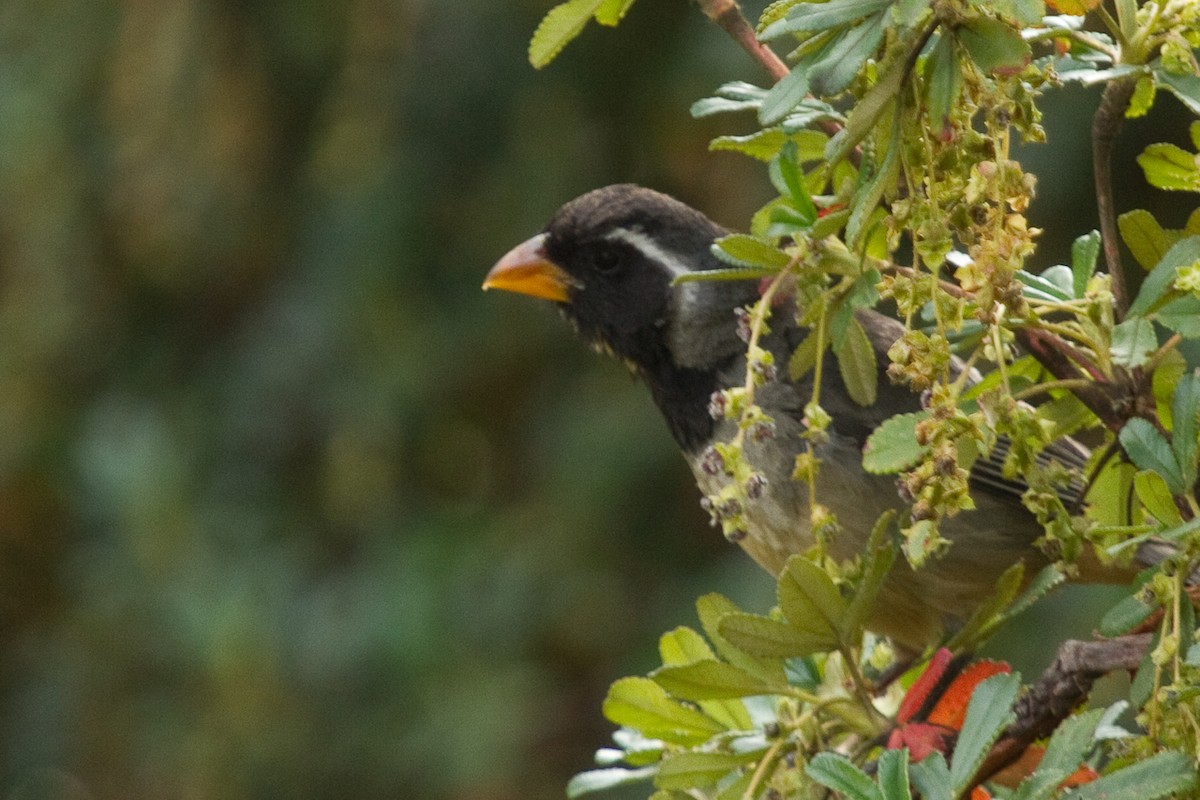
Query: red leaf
{"points": [[918, 693]]}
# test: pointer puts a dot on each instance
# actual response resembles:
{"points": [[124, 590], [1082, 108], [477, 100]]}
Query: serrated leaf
{"points": [[1181, 315], [711, 609], [994, 46], [988, 713], [1159, 281], [812, 17], [1147, 449], [810, 601], [1184, 87], [804, 357], [892, 769], [1047, 578], [611, 12], [643, 705], [797, 189], [841, 60], [693, 770], [709, 680], [839, 773], [601, 780], [1160, 775], [1185, 407], [1144, 237], [1152, 491], [857, 365], [893, 446], [560, 25], [943, 76], [877, 560], [870, 106], [708, 106], [1133, 341], [683, 646], [749, 251], [1084, 252], [1071, 742], [1125, 616], [1170, 167], [867, 198], [785, 95], [769, 638], [931, 777]]}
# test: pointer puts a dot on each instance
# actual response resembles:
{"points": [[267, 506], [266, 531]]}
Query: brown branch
{"points": [[1059, 691], [1105, 125], [728, 15], [1065, 362]]}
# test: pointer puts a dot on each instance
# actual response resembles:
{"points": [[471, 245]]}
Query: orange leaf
{"points": [[918, 693], [951, 709]]}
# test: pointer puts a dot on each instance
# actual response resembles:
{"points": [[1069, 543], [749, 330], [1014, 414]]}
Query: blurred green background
{"points": [[288, 507]]}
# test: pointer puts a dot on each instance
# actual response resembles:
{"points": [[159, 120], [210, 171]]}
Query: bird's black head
{"points": [[609, 259]]}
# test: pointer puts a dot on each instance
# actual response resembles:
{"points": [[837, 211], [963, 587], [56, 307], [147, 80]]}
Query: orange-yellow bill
{"points": [[526, 270]]}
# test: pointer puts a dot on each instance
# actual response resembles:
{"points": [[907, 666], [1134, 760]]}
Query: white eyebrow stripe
{"points": [[671, 262]]}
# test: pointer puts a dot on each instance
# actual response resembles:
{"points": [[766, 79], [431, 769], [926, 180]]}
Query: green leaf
{"points": [[1048, 578], [764, 145], [683, 646], [784, 96], [857, 365], [1126, 615], [840, 774], [943, 75], [1133, 341], [845, 56], [870, 193], [871, 106], [748, 251], [931, 776], [560, 25], [797, 189], [601, 780], [611, 12], [1185, 87], [1144, 237], [643, 705], [990, 612], [810, 601], [1156, 497], [804, 357], [712, 608], [893, 446], [766, 637], [1071, 742], [1083, 261], [1170, 167], [1147, 449], [892, 769], [1182, 316], [821, 16], [709, 680], [1142, 685], [1185, 407], [1161, 775], [877, 560], [1181, 254], [694, 770], [988, 713], [994, 46]]}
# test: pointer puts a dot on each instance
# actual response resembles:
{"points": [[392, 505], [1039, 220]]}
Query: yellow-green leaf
{"points": [[857, 365], [1144, 237], [1156, 497], [560, 25], [643, 705], [611, 12]]}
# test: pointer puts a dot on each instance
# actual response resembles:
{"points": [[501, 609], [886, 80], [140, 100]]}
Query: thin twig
{"points": [[1105, 124], [728, 15]]}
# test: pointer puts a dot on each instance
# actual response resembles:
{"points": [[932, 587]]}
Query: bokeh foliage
{"points": [[287, 508]]}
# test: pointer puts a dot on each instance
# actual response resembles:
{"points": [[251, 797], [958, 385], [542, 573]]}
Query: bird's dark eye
{"points": [[607, 262]]}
